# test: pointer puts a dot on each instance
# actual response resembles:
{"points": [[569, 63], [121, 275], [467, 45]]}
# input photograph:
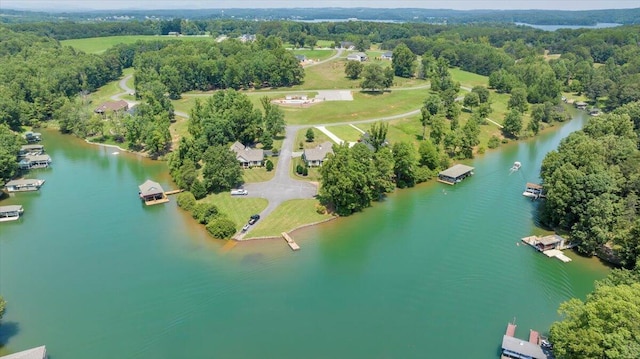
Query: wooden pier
{"points": [[175, 191], [294, 246]]}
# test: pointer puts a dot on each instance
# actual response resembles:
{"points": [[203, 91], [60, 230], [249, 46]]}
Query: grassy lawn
{"points": [[364, 106], [345, 133], [104, 93], [313, 173], [316, 55], [281, 219], [237, 208], [301, 137], [259, 174], [96, 45], [469, 79]]}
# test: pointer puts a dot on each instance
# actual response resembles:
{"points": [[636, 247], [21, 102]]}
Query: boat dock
{"points": [[455, 174], [10, 213], [294, 246], [175, 191], [513, 347], [533, 191], [23, 185], [550, 246]]}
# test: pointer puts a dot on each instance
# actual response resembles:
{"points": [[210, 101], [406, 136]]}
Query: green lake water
{"points": [[431, 272]]}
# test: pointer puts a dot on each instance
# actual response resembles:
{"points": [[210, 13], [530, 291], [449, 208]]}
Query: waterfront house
{"points": [[31, 150], [580, 105], [358, 56], [31, 162], [387, 56], [24, 185], [248, 157], [10, 213], [112, 106], [32, 137], [455, 174], [314, 157], [33, 353], [152, 193]]}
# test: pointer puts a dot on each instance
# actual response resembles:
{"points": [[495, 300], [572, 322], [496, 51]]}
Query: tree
{"points": [[438, 129], [273, 117], [186, 201], [353, 69], [268, 165], [389, 76], [221, 228], [513, 123], [470, 136], [378, 135], [310, 135], [483, 93], [471, 100], [9, 147], [403, 61], [406, 164], [518, 100], [374, 78], [431, 108], [429, 155], [221, 169]]}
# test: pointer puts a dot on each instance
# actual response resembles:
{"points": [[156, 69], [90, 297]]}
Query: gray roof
{"points": [[149, 188], [551, 239], [23, 182], [39, 158], [11, 208], [33, 353], [318, 153], [522, 347], [456, 171], [32, 147], [246, 153], [388, 54]]}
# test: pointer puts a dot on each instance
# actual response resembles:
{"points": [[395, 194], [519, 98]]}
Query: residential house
{"points": [[247, 38], [347, 45], [314, 157], [248, 157], [366, 139], [358, 56], [112, 106], [387, 56]]}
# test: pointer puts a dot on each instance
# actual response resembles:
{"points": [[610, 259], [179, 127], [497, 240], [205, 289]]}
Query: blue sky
{"points": [[222, 4]]}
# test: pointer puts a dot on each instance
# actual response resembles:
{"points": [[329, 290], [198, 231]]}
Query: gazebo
{"points": [[152, 193]]}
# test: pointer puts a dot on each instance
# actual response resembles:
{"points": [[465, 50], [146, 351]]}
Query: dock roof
{"points": [[23, 182], [533, 185], [150, 188], [522, 347], [33, 353], [11, 208], [550, 239], [456, 171]]}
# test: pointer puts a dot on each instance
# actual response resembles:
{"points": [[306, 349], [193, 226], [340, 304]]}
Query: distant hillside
{"points": [[538, 17]]}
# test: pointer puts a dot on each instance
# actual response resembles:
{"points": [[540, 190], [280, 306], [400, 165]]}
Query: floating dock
{"points": [[10, 213], [294, 246], [24, 185], [550, 246], [175, 191], [513, 347], [455, 174]]}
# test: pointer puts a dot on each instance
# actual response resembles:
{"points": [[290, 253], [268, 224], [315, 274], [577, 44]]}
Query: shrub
{"points": [[198, 189], [186, 201], [423, 174], [481, 150], [494, 142], [221, 228], [269, 165], [299, 169], [204, 212], [305, 171], [321, 209]]}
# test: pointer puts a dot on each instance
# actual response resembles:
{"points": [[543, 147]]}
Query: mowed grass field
{"points": [[281, 219], [97, 45]]}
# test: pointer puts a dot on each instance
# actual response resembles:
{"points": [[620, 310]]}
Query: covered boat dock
{"points": [[24, 185], [10, 213], [455, 174], [514, 348], [533, 190], [152, 193], [31, 162]]}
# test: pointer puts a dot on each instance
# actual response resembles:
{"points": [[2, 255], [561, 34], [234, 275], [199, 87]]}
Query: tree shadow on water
{"points": [[8, 330]]}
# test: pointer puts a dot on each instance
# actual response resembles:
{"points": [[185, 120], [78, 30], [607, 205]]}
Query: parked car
{"points": [[253, 219], [239, 192], [245, 228]]}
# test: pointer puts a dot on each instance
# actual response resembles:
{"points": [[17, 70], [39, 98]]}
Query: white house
{"points": [[314, 157]]}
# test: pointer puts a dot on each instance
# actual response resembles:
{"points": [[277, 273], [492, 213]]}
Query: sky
{"points": [[78, 5]]}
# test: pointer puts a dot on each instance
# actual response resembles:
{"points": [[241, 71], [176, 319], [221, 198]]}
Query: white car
{"points": [[245, 228], [239, 192]]}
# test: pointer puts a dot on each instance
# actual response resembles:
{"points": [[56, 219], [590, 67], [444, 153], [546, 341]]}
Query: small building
{"points": [[366, 140], [31, 150], [551, 246], [347, 45], [24, 185], [31, 162], [533, 190], [314, 157], [580, 105], [594, 112], [387, 56], [32, 137], [173, 33], [247, 38], [33, 353], [152, 193], [10, 213], [301, 58], [112, 106], [455, 174], [248, 157], [358, 56], [515, 348]]}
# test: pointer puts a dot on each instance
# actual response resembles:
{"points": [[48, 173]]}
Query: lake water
{"points": [[434, 271], [600, 25]]}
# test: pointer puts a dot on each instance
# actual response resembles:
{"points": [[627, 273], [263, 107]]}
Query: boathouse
{"points": [[31, 150], [32, 137], [31, 162], [33, 353], [24, 185], [152, 193], [455, 174], [533, 190], [515, 348], [10, 213]]}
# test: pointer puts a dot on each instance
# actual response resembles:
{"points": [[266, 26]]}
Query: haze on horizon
{"points": [[83, 5]]}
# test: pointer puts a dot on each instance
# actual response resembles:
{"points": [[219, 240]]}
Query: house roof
{"points": [[112, 106], [33, 353], [360, 54], [11, 208], [387, 54], [150, 188], [551, 239], [247, 154], [456, 171], [318, 153], [522, 347], [301, 57]]}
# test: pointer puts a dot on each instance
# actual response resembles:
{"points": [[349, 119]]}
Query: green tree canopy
{"points": [[403, 61], [353, 69], [221, 169]]}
